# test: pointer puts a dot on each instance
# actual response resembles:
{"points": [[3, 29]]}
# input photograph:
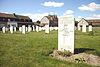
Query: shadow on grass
{"points": [[81, 50]]}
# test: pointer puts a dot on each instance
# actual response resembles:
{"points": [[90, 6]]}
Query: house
{"points": [[8, 20], [89, 22], [52, 20]]}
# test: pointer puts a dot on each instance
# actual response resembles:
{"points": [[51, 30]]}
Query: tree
{"points": [[38, 21], [76, 22]]}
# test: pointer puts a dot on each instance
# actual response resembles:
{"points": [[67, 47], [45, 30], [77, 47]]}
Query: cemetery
{"points": [[61, 46]]}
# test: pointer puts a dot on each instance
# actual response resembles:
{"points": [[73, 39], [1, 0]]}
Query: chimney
{"points": [[14, 14]]}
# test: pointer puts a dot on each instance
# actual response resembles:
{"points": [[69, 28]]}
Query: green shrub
{"points": [[79, 60], [91, 33], [98, 52], [65, 53]]}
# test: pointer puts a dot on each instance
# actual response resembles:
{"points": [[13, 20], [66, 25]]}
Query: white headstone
{"points": [[50, 28], [40, 29], [15, 29], [43, 28], [29, 28], [56, 28], [23, 29], [90, 28], [20, 29], [84, 28], [7, 29], [47, 28], [37, 28], [33, 28], [3, 29], [66, 34], [11, 29], [26, 28], [79, 27]]}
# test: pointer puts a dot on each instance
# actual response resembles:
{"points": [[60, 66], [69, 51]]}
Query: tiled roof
{"points": [[94, 20], [52, 17], [7, 15], [13, 16]]}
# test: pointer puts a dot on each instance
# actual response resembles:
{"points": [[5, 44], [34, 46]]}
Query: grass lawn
{"points": [[29, 50]]}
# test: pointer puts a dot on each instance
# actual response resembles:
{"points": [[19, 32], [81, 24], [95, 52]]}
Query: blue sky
{"points": [[36, 9]]}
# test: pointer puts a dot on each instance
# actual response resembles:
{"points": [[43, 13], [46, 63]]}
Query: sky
{"points": [[36, 9]]}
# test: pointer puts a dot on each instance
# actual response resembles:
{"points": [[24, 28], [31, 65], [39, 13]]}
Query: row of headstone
{"points": [[53, 28], [84, 28], [4, 29], [29, 28], [65, 32]]}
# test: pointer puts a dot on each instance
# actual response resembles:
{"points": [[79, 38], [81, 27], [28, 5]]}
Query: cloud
{"points": [[78, 18], [69, 13], [96, 16], [53, 4], [36, 17], [93, 16], [90, 7]]}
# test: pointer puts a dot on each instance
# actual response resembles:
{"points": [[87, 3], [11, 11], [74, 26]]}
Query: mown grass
{"points": [[29, 50]]}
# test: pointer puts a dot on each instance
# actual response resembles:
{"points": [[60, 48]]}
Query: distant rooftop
{"points": [[13, 16]]}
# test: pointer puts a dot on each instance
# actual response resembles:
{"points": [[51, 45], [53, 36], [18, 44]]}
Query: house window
{"points": [[8, 20], [26, 20], [22, 20], [30, 20], [2, 25], [1, 19], [5, 19], [12, 19]]}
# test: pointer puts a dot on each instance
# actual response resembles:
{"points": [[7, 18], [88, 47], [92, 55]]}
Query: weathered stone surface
{"points": [[66, 34]]}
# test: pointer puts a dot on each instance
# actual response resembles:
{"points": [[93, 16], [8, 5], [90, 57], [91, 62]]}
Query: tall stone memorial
{"points": [[66, 34], [84, 28], [90, 28]]}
